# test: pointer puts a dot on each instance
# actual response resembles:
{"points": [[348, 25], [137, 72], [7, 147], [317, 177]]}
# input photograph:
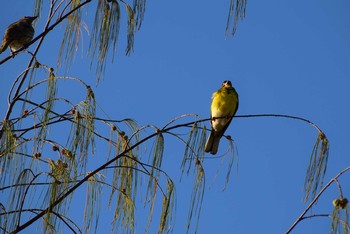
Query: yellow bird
{"points": [[223, 107]]}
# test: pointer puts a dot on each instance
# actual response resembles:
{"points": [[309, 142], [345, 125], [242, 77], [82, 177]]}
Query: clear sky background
{"points": [[287, 57]]}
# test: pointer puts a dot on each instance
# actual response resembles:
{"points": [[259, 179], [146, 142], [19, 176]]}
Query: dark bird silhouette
{"points": [[18, 34]]}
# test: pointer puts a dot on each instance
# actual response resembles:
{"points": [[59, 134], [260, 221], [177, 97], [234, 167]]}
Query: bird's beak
{"points": [[33, 18]]}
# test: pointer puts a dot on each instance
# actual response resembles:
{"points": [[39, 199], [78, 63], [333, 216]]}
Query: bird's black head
{"points": [[226, 83]]}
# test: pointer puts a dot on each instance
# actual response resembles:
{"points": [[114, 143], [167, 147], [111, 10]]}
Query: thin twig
{"points": [[302, 216], [40, 36]]}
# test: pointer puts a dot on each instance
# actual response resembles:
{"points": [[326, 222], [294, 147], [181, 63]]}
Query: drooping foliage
{"points": [[48, 138]]}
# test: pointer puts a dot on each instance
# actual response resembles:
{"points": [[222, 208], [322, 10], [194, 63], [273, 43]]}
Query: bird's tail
{"points": [[212, 144], [3, 47]]}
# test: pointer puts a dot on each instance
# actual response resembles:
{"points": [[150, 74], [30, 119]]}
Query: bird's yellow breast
{"points": [[224, 103]]}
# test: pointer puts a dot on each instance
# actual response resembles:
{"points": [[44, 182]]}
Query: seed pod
{"points": [[343, 203], [336, 202]]}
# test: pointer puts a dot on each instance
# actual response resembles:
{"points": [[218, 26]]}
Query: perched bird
{"points": [[223, 107], [18, 34]]}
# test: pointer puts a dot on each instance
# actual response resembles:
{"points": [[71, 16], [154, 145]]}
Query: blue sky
{"points": [[287, 57]]}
